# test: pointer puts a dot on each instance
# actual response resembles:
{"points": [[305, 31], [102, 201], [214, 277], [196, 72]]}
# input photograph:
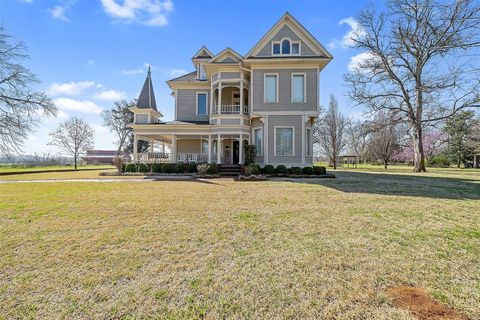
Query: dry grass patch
{"points": [[220, 249]]}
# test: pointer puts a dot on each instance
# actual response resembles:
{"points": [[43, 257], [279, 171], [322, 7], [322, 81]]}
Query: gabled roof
{"points": [[297, 27], [146, 100], [203, 53], [189, 77], [228, 55]]}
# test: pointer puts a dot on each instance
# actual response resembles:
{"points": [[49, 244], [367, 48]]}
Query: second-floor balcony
{"points": [[230, 109]]}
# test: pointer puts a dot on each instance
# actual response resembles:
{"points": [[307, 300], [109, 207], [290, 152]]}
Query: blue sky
{"points": [[89, 53]]}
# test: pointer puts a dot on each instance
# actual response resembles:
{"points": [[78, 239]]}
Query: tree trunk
{"points": [[75, 162], [385, 164], [419, 163]]}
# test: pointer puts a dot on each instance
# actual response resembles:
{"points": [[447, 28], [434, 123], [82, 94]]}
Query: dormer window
{"points": [[285, 47], [202, 75]]}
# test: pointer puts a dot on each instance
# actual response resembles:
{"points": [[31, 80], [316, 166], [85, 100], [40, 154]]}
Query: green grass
{"points": [[215, 249], [19, 168]]}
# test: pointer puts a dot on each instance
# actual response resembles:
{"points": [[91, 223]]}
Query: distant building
{"points": [[100, 156]]}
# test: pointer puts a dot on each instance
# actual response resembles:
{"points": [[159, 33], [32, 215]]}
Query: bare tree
{"points": [[117, 119], [20, 106], [74, 137], [357, 137], [384, 141], [328, 132], [418, 62]]}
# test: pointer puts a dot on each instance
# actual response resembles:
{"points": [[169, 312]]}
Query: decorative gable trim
{"points": [[303, 34], [203, 53], [227, 54]]}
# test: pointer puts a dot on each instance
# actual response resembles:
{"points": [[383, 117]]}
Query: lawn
{"points": [[325, 248], [17, 168]]}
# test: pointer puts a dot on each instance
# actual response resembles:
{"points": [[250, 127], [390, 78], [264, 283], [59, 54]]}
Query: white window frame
{"points": [[275, 141], [206, 102], [260, 154], [291, 46], [203, 152], [304, 74], [309, 146], [265, 75]]}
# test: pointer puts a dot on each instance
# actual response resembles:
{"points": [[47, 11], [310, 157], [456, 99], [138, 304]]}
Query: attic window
{"points": [[285, 47], [202, 75]]}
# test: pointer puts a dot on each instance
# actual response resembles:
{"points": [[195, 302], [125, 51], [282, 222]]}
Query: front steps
{"points": [[229, 170]]}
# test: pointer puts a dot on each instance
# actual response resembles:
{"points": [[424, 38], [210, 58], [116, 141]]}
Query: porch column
{"points": [[174, 149], [241, 96], [135, 152], [219, 104], [151, 146], [240, 150], [219, 148], [163, 147], [209, 148]]}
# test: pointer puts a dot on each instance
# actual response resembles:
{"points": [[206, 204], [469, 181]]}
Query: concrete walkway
{"points": [[148, 179]]}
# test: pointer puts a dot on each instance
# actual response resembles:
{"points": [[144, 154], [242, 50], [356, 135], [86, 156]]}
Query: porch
{"points": [[218, 148]]}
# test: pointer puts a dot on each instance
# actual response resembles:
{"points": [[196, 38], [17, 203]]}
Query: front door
{"points": [[236, 98], [235, 151]]}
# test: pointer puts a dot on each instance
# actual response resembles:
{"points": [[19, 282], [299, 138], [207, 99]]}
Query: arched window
{"points": [[285, 47]]}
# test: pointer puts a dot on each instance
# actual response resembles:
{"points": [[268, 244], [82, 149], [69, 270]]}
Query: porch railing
{"points": [[192, 157], [157, 157], [231, 109]]}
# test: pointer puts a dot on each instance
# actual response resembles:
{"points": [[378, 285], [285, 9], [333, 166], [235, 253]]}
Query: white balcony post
{"points": [[135, 151], [219, 148], [219, 106], [174, 149], [209, 148], [211, 99], [240, 150]]}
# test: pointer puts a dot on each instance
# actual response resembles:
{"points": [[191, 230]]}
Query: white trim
{"points": [[199, 76], [265, 75], [308, 133], [303, 139], [275, 141], [286, 113], [291, 47], [206, 102], [254, 140], [266, 156], [304, 74], [176, 103]]}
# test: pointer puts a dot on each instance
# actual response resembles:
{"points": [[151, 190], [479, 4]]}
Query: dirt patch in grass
{"points": [[420, 304]]}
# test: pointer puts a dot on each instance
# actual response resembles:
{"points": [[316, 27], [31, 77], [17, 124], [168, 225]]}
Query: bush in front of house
{"points": [[131, 167], [179, 168], [202, 169], [319, 170], [269, 169], [142, 167], [253, 169], [307, 170], [192, 168], [167, 168], [281, 169], [156, 167], [118, 163], [124, 165], [212, 169], [296, 170]]}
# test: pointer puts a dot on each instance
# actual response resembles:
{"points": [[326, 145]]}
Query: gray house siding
{"points": [[293, 121], [187, 105], [141, 118], [284, 90], [285, 32]]}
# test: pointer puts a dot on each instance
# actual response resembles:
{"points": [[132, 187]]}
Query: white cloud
{"points": [[358, 60], [177, 72], [70, 88], [84, 106], [58, 12], [110, 95], [356, 30], [147, 12], [133, 71], [104, 138], [90, 63]]}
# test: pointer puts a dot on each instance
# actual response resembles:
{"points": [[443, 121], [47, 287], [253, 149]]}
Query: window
{"points": [[295, 48], [202, 75], [285, 47], [201, 103], [270, 88], [204, 147], [284, 141], [257, 134], [298, 88], [308, 140], [276, 48]]}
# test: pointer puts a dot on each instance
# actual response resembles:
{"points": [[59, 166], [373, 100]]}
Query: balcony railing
{"points": [[231, 109], [192, 157]]}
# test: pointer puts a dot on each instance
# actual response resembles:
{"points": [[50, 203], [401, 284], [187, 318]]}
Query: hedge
{"points": [[307, 170], [319, 170], [142, 167], [131, 167], [167, 168], [281, 169], [269, 169], [296, 170], [156, 167]]}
